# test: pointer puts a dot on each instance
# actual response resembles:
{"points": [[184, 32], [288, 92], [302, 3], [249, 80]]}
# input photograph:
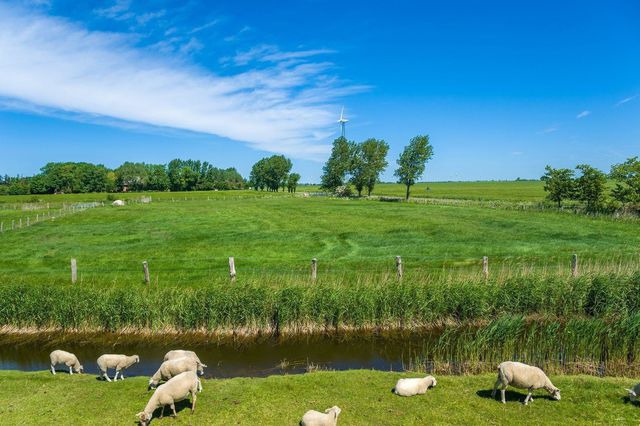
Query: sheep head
{"points": [[79, 369], [555, 394], [143, 418], [335, 410]]}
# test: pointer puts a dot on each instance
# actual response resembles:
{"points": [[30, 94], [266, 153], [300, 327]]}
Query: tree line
{"points": [[80, 177], [360, 164], [588, 185]]}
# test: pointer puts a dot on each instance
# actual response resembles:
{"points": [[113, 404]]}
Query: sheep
{"points": [[411, 387], [179, 353], [118, 203], [316, 418], [176, 389], [66, 358], [523, 376], [634, 392], [173, 367], [119, 362]]}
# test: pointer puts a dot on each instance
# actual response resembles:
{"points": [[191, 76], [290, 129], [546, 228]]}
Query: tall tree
{"points": [[271, 173], [292, 182], [339, 164], [413, 160], [559, 184], [590, 187], [369, 160], [131, 177], [627, 177]]}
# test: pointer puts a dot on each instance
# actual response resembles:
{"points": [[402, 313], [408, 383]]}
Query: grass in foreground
{"points": [[364, 396]]}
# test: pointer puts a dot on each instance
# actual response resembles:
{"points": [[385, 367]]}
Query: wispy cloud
{"points": [[583, 114], [119, 11], [625, 100], [54, 64], [237, 35], [548, 130], [271, 53], [205, 26]]}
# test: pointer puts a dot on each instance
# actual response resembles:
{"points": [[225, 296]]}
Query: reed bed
{"points": [[254, 307]]}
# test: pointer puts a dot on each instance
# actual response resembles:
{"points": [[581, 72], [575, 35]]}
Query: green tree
{"points": [[369, 160], [413, 160], [339, 164], [131, 177], [271, 173], [627, 177], [590, 187], [559, 184], [292, 182], [157, 178]]}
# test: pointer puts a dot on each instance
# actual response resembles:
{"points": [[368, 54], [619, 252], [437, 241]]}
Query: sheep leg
{"points": [[115, 378], [162, 412], [495, 388], [70, 370], [122, 375], [526, 400], [53, 370], [502, 394], [173, 408], [193, 402], [106, 376]]}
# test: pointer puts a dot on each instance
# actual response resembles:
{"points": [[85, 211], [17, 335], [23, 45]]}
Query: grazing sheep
{"points": [[176, 389], [119, 362], [523, 376], [633, 393], [180, 353], [118, 203], [173, 367], [66, 358], [316, 418], [411, 387]]}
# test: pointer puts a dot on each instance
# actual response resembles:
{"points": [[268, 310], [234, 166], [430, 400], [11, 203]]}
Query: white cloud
{"points": [[583, 114], [54, 64], [205, 26], [549, 130], [119, 11], [271, 53], [625, 100]]}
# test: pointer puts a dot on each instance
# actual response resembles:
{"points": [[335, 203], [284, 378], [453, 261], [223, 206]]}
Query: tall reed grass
{"points": [[255, 307]]}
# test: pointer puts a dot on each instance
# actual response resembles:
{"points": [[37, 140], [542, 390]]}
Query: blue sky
{"points": [[502, 88]]}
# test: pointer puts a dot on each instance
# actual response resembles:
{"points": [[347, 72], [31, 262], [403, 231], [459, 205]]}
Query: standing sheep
{"points": [[173, 367], [411, 387], [180, 353], [118, 362], [66, 358], [176, 389], [523, 376], [633, 393], [316, 418]]}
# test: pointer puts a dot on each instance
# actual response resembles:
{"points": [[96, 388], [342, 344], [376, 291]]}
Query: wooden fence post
{"points": [[314, 269], [28, 221], [399, 266], [232, 269], [13, 224], [74, 271], [20, 223], [574, 265], [1, 227], [485, 267], [145, 269]]}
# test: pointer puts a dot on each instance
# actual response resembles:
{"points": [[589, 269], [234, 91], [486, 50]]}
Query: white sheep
{"points": [[66, 358], [523, 376], [176, 389], [118, 203], [316, 418], [634, 392], [118, 362], [180, 353], [411, 387], [173, 367]]}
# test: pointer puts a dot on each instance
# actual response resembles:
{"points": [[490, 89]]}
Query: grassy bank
{"points": [[363, 396]]}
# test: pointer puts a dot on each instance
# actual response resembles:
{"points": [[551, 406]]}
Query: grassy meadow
{"points": [[363, 396], [189, 242]]}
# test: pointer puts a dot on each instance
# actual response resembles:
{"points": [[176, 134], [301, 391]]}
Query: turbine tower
{"points": [[342, 121]]}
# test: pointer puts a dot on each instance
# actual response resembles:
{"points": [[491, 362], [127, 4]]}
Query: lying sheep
{"points": [[173, 367], [633, 393], [523, 376], [316, 418], [118, 362], [176, 389], [66, 358], [411, 387], [180, 353]]}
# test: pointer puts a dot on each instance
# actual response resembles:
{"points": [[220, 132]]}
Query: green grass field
{"points": [[190, 241], [363, 396]]}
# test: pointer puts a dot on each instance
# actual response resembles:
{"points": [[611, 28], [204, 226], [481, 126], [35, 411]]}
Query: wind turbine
{"points": [[342, 121]]}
